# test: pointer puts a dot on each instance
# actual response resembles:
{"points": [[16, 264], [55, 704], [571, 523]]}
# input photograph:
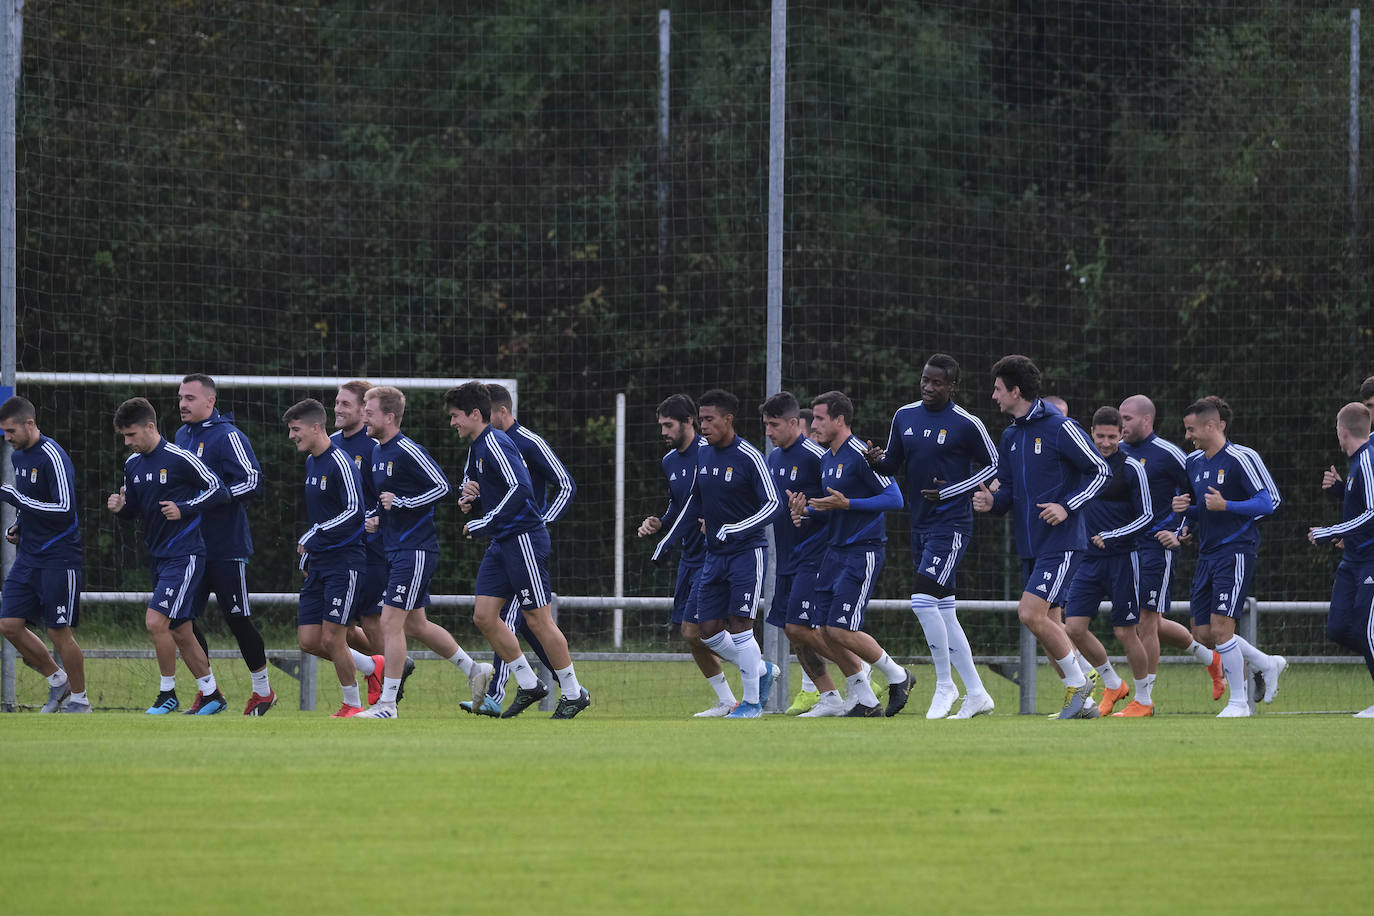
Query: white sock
{"points": [[260, 685], [866, 670], [894, 672], [1143, 687], [350, 692], [167, 683], [724, 646], [1255, 657], [57, 678], [960, 652], [750, 661], [1083, 664], [1233, 663], [1110, 679], [722, 688], [808, 685], [390, 687], [927, 611], [524, 674], [363, 663], [1072, 677], [568, 681], [462, 660], [206, 684], [1200, 652], [857, 687], [79, 696]]}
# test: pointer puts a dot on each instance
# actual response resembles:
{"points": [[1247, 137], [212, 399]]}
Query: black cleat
{"points": [[860, 711], [524, 699], [406, 672], [568, 708], [897, 695], [165, 703]]}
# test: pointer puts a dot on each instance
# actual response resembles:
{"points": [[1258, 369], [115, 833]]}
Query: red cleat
{"points": [[258, 704], [347, 712], [196, 704], [374, 680], [1218, 677]]}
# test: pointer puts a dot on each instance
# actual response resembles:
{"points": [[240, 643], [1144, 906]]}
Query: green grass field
{"points": [[635, 808]]}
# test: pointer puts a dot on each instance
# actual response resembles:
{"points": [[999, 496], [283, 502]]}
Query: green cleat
{"points": [[803, 701]]}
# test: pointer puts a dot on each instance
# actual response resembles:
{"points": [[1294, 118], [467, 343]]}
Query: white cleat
{"points": [[829, 704], [1271, 677], [1364, 714], [943, 701], [478, 681], [974, 705], [719, 711], [1232, 711], [380, 710]]}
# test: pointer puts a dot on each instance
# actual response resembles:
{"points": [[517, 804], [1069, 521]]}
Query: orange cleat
{"points": [[1110, 697], [1135, 710], [347, 712], [1218, 676], [374, 680]]}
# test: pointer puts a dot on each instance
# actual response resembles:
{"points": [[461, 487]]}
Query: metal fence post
{"points": [[547, 704], [309, 682]]}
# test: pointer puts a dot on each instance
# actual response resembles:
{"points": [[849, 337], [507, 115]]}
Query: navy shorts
{"points": [[408, 576], [841, 603], [517, 568], [1221, 584], [328, 596], [731, 584], [175, 583], [34, 594], [1352, 598], [371, 588], [1048, 577], [1115, 578], [228, 581], [937, 555], [1155, 591], [685, 593]]}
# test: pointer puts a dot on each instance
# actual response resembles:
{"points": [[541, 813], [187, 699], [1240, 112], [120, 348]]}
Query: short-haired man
{"points": [[856, 534], [945, 453], [515, 565], [1157, 547], [1352, 594], [677, 423], [1047, 470], [734, 496], [215, 440], [1332, 477], [409, 484], [1110, 566], [795, 464], [331, 550], [1231, 492], [169, 488], [547, 473], [45, 581]]}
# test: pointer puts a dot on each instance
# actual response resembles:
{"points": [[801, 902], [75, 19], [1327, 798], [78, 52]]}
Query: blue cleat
{"points": [[212, 704], [770, 674], [489, 707], [746, 711], [166, 702]]}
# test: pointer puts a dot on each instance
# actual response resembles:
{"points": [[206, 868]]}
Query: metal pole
{"points": [[9, 82], [618, 627], [1028, 650], [664, 40], [1354, 179], [775, 646], [547, 704]]}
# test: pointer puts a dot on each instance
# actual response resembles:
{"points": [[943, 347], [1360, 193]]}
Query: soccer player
{"points": [[945, 453], [856, 533], [515, 564], [1157, 547], [170, 489], [45, 581], [1332, 477], [223, 448], [409, 484], [546, 472], [1352, 595], [331, 550], [677, 422], [1231, 492], [1047, 470], [1110, 565], [350, 435], [795, 464], [734, 497]]}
